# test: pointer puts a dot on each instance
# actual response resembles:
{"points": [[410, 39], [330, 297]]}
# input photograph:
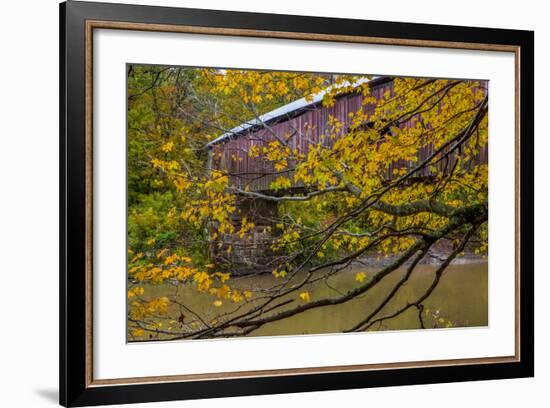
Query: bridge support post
{"points": [[252, 252]]}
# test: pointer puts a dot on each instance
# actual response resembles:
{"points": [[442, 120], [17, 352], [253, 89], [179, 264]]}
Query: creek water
{"points": [[459, 300]]}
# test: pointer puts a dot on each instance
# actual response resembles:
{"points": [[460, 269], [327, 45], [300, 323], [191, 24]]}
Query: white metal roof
{"points": [[282, 111]]}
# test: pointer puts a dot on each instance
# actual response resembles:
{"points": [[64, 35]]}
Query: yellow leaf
{"points": [[171, 259], [167, 147], [135, 292], [224, 291], [236, 296], [360, 276], [218, 303], [305, 296], [137, 332]]}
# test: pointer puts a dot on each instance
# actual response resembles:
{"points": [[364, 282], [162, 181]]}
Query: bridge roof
{"points": [[276, 114]]}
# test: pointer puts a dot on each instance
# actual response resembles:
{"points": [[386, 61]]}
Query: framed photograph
{"points": [[256, 203]]}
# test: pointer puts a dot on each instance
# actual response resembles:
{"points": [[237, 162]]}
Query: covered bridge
{"points": [[304, 121]]}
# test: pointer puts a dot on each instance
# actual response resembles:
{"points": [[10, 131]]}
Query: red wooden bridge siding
{"points": [[308, 126]]}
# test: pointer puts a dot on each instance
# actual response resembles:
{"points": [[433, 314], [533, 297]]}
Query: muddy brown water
{"points": [[460, 300]]}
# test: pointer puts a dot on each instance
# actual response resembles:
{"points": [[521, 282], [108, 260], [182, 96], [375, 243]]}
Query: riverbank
{"points": [[433, 257]]}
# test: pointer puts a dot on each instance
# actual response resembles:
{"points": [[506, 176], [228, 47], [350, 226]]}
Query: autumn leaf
{"points": [[137, 332], [360, 276], [135, 292], [167, 147]]}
